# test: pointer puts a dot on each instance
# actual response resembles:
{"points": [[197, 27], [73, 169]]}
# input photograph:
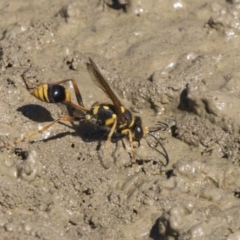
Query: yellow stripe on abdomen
{"points": [[41, 93]]}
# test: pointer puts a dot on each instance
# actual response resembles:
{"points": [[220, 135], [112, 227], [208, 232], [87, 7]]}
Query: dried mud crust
{"points": [[168, 61]]}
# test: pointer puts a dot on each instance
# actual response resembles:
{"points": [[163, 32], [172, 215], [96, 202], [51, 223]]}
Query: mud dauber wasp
{"points": [[115, 116]]}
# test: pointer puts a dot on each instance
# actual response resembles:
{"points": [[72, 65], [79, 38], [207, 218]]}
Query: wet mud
{"points": [[175, 62]]}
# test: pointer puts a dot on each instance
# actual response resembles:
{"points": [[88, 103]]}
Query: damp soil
{"points": [[174, 62]]}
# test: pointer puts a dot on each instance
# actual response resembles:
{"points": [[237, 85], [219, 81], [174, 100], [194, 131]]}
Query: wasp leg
{"points": [[130, 139], [109, 138], [63, 118], [79, 107]]}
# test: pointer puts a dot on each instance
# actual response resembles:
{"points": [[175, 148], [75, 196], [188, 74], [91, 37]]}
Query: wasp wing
{"points": [[100, 81]]}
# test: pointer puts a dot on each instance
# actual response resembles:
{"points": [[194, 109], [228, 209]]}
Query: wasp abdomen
{"points": [[51, 93]]}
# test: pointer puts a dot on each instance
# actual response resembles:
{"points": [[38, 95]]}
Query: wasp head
{"points": [[138, 129]]}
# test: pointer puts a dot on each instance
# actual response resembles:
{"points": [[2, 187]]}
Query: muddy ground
{"points": [[168, 61]]}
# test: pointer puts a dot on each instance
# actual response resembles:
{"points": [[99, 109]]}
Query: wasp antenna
{"points": [[165, 154], [160, 126]]}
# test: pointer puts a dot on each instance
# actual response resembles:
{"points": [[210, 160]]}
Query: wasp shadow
{"points": [[88, 131], [36, 113]]}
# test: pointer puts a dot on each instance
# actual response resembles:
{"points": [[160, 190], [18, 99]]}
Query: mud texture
{"points": [[171, 61]]}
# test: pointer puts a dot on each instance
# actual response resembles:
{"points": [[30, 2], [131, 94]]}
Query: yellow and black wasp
{"points": [[119, 120]]}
